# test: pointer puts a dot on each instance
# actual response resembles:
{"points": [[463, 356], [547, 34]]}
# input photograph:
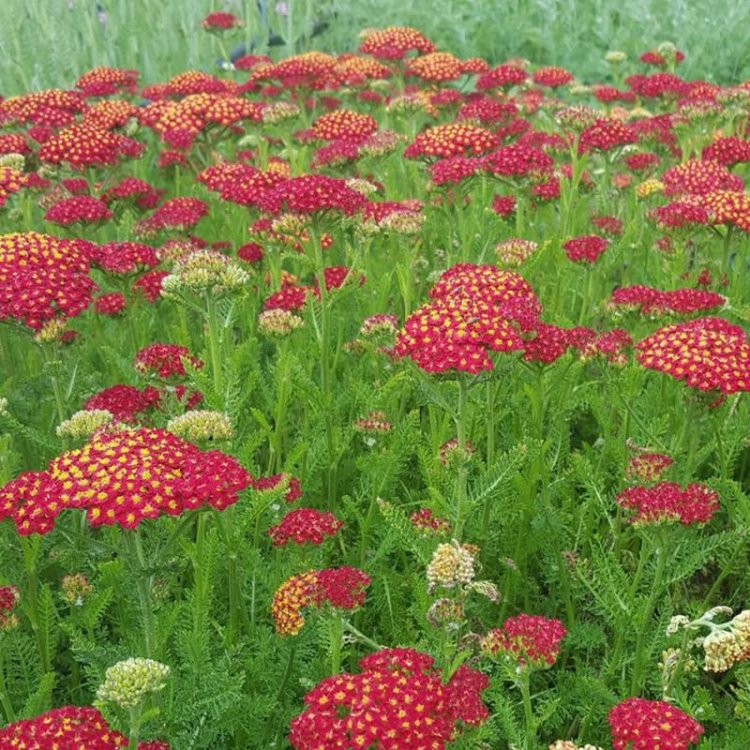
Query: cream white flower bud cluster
{"points": [[128, 682], [201, 425]]}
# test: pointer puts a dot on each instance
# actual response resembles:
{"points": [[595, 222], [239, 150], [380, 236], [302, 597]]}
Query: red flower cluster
{"points": [[530, 640], [176, 213], [642, 161], [66, 728], [398, 701], [103, 81], [727, 151], [727, 207], [424, 520], [470, 313], [164, 360], [110, 304], [43, 277], [453, 139], [437, 67], [342, 588], [124, 257], [395, 42], [639, 724], [585, 249], [344, 124], [656, 302], [605, 135], [124, 402], [501, 76], [9, 597], [221, 21], [144, 195], [122, 478], [648, 467], [518, 160], [149, 284], [304, 525], [52, 107], [687, 211], [667, 501], [699, 177], [310, 194], [709, 354], [11, 181], [86, 144], [552, 77], [80, 208]]}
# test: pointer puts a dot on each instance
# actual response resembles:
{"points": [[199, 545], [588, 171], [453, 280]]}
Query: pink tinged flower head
{"points": [[311, 194], [304, 526], [84, 209], [164, 360], [65, 728], [708, 354], [585, 249], [668, 502], [529, 640], [639, 724]]}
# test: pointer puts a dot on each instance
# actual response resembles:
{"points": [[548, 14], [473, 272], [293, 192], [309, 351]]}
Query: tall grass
{"points": [[47, 43]]}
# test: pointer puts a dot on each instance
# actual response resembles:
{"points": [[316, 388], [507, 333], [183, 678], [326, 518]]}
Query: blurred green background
{"points": [[45, 43]]}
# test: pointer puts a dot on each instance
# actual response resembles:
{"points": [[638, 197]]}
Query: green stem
{"points": [[143, 587], [135, 728], [661, 565], [10, 714], [528, 713], [31, 548], [463, 469], [338, 639], [360, 636], [214, 344]]}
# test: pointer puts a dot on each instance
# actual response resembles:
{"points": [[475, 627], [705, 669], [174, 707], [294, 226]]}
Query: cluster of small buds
{"points": [[80, 208], [128, 682], [221, 21], [205, 272], [124, 402], [648, 467], [375, 422], [648, 188], [75, 589], [376, 325], [202, 426], [9, 598], [424, 521], [452, 565], [568, 745], [450, 452], [394, 42], [446, 613], [276, 112], [515, 251], [278, 322], [727, 643], [528, 641], [85, 423]]}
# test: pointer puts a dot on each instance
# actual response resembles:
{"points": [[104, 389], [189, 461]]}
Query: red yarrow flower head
{"points": [[304, 525], [9, 598], [648, 467], [639, 724], [110, 304], [122, 478], [668, 502], [394, 42], [176, 213], [80, 208], [221, 21], [709, 354], [397, 701], [164, 360], [344, 124], [311, 194], [585, 249], [124, 402], [531, 641], [453, 139], [65, 728]]}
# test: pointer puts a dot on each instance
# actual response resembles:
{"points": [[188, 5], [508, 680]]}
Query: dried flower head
{"points": [[451, 565]]}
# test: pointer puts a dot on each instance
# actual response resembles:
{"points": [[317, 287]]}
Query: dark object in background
{"points": [[319, 26]]}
